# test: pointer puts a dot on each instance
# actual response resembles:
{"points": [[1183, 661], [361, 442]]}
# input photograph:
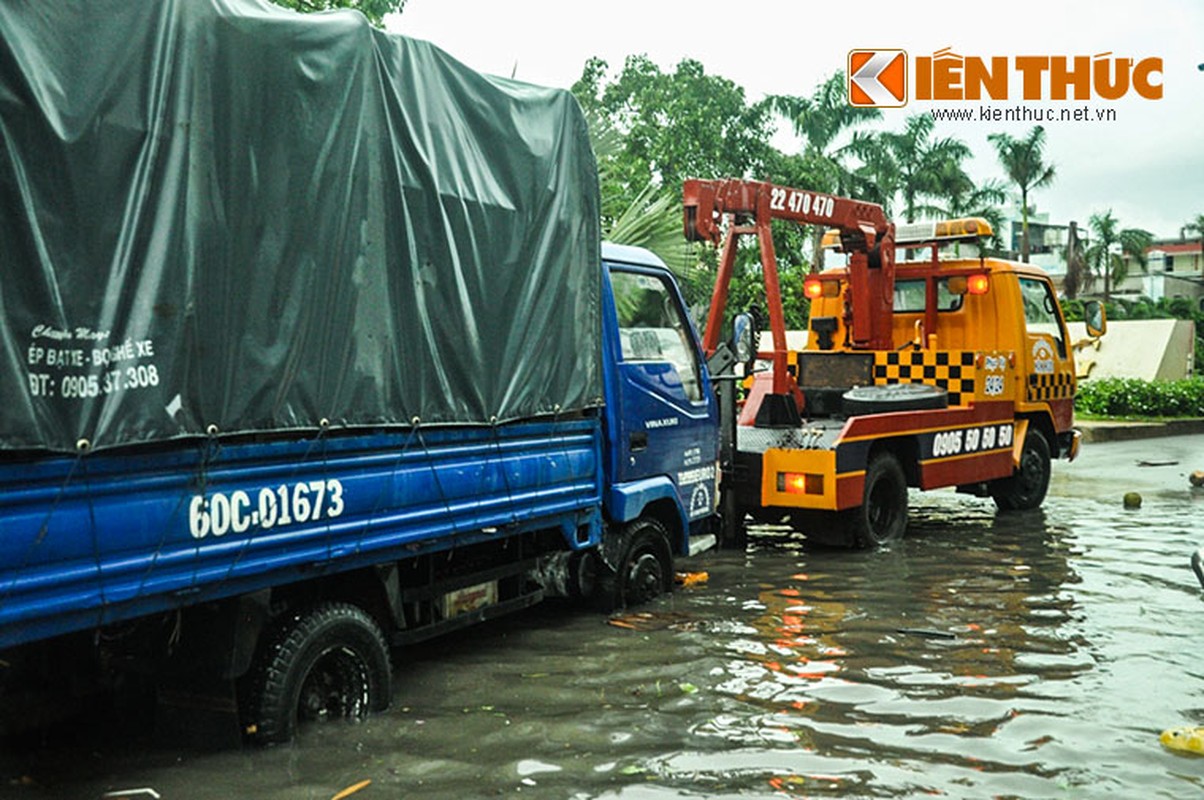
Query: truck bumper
{"points": [[1075, 441]]}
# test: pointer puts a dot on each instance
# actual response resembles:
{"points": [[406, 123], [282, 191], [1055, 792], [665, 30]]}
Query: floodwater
{"points": [[1027, 656]]}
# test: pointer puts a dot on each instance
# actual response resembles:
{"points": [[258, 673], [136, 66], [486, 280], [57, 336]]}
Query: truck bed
{"points": [[90, 540]]}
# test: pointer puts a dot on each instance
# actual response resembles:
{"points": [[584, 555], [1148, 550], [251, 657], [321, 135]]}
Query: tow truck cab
{"points": [[994, 331]]}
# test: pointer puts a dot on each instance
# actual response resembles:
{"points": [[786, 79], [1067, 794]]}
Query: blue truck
{"points": [[271, 407]]}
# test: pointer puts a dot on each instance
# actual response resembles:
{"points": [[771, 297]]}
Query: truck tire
{"points": [[328, 662], [1025, 489], [643, 569], [882, 516]]}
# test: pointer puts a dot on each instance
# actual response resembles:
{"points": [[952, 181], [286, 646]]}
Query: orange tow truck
{"points": [[928, 373]]}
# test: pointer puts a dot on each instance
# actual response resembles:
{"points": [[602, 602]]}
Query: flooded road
{"points": [[1030, 655]]}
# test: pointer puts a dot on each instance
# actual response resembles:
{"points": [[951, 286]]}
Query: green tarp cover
{"points": [[223, 213]]}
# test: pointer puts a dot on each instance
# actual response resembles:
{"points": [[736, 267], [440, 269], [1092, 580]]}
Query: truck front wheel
{"points": [[330, 662], [882, 516], [1025, 489], [643, 569]]}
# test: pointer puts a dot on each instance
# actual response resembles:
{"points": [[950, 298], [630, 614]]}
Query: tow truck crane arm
{"points": [[750, 206]]}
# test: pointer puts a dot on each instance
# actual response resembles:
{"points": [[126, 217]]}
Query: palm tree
{"points": [[1196, 225], [965, 198], [1110, 245], [646, 216], [1076, 263], [1023, 163], [820, 120], [925, 165]]}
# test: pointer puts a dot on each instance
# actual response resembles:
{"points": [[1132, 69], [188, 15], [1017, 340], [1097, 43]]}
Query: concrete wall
{"points": [[1150, 349]]}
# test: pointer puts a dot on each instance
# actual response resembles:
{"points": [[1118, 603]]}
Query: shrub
{"points": [[1133, 397]]}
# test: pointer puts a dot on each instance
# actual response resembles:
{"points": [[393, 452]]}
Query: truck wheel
{"points": [[882, 516], [644, 569], [1025, 489], [330, 662]]}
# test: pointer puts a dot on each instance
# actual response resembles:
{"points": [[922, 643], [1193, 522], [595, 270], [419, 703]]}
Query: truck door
{"points": [[667, 417], [1048, 364]]}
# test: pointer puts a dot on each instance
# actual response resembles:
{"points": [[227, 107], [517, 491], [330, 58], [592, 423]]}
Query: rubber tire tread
{"points": [[301, 638], [1009, 493], [883, 466], [611, 593]]}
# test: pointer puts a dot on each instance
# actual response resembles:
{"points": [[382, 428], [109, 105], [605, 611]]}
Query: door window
{"points": [[653, 328], [1041, 311]]}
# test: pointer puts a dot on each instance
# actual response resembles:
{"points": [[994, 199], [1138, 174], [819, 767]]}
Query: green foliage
{"points": [[652, 130], [821, 120], [672, 126], [926, 166], [1195, 225], [1132, 397], [1023, 161], [1109, 247], [651, 219], [374, 10]]}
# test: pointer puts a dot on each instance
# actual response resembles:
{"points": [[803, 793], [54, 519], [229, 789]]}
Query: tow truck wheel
{"points": [[882, 516], [1025, 490], [330, 662], [644, 568]]}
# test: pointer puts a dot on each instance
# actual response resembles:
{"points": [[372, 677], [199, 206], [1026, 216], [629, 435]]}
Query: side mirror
{"points": [[743, 341], [742, 338], [1095, 318]]}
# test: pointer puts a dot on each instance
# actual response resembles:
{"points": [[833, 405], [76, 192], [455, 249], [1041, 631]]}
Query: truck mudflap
{"points": [[1070, 442]]}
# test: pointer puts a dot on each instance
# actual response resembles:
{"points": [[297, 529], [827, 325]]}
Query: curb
{"points": [[1105, 431]]}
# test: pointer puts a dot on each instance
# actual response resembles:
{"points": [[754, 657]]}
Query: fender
{"points": [[1020, 432], [627, 501]]}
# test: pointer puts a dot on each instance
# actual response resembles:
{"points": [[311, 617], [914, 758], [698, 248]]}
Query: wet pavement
{"points": [[1025, 655]]}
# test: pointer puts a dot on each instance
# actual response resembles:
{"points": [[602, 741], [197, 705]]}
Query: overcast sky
{"points": [[1147, 166]]}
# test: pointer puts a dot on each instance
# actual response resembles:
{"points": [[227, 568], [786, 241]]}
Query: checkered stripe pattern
{"points": [[792, 363], [952, 370], [1056, 386]]}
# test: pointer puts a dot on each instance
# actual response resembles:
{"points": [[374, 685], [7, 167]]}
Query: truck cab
{"points": [[1003, 312], [662, 416], [917, 372]]}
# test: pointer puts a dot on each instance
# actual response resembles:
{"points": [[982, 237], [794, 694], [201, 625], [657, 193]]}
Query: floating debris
{"points": [[654, 621], [352, 789], [1197, 564], [687, 580], [1184, 740], [926, 632]]}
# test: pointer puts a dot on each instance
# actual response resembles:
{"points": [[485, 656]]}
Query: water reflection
{"points": [[891, 657]]}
